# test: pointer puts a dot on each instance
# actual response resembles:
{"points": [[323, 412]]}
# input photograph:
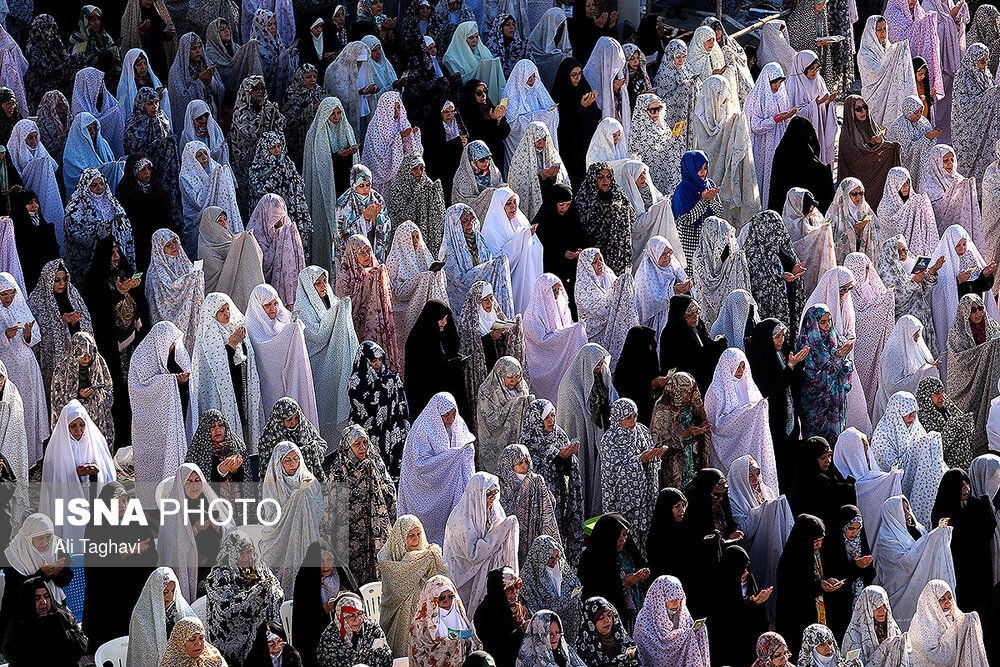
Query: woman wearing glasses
{"points": [[352, 637], [441, 634]]}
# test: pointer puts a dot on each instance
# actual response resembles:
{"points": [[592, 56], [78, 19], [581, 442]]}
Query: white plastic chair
{"points": [[114, 651], [401, 662], [285, 612], [163, 488], [371, 596], [200, 609]]}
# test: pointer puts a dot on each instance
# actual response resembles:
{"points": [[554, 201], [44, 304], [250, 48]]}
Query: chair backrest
{"points": [[401, 662], [163, 488], [371, 596], [285, 612], [114, 652], [200, 609]]}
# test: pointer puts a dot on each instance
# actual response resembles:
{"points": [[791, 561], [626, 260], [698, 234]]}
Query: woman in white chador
{"points": [[904, 363], [175, 287], [900, 441], [905, 564], [22, 334], [659, 277], [775, 46], [222, 349], [941, 634], [719, 128], [834, 289], [872, 613], [719, 266], [37, 170], [331, 342], [412, 282], [737, 412], [508, 230], [605, 72], [963, 264], [199, 125], [160, 605], [811, 235], [161, 426], [609, 144], [276, 336], [914, 134], [764, 517], [853, 456], [605, 301], [300, 498], [76, 459], [551, 337], [808, 92], [527, 101], [767, 109], [653, 213], [479, 537], [908, 213], [14, 444], [886, 72], [203, 183], [954, 197]]}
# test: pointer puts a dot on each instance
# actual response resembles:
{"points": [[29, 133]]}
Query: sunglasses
{"points": [[480, 93], [446, 596], [977, 309], [844, 289]]}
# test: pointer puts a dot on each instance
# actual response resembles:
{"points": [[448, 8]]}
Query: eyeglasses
{"points": [[276, 642], [656, 109], [844, 289], [480, 93], [977, 309], [444, 597]]}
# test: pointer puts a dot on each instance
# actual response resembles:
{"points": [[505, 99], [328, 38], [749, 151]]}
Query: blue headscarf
{"points": [[81, 153], [689, 190]]}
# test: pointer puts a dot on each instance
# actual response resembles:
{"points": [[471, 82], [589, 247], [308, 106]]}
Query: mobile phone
{"points": [[678, 128], [503, 102], [295, 314], [699, 624], [854, 655], [436, 266], [137, 275]]}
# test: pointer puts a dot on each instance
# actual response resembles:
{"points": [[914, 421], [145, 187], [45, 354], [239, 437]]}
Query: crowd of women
{"points": [[550, 339]]}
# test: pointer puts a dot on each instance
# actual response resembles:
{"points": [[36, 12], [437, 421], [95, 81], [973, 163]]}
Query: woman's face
{"points": [[275, 646], [860, 110], [966, 491], [824, 460], [531, 80], [825, 323], [171, 248], [740, 370], [446, 599], [483, 164], [32, 140], [703, 172], [271, 308], [678, 510], [510, 208], [363, 188], [825, 649], [168, 593], [598, 264], [812, 71], [691, 316], [335, 115], [59, 282], [376, 7], [540, 144], [983, 62], [326, 565], [41, 542], [938, 396], [152, 107], [665, 257], [448, 113], [754, 476], [549, 422], [976, 315], [604, 180], [145, 175], [776, 84], [448, 418], [633, 61], [852, 530], [290, 462], [946, 602], [961, 247], [32, 206], [317, 29], [779, 340], [364, 256], [622, 539], [195, 645], [472, 40], [360, 448], [354, 620], [654, 110], [417, 172], [320, 285], [680, 58], [616, 137], [902, 251], [575, 75], [709, 43], [521, 467], [880, 613], [203, 157], [222, 315], [415, 238], [508, 29], [857, 194], [491, 496], [43, 601], [192, 486], [292, 421], [274, 149], [225, 32], [629, 422], [98, 186], [910, 418], [949, 162], [425, 13], [85, 360], [217, 432], [7, 297], [77, 427], [487, 303], [556, 291], [563, 206], [413, 538], [339, 17], [881, 30], [555, 635], [195, 51], [604, 622]]}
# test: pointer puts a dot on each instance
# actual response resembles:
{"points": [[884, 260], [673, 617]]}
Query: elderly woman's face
{"points": [[171, 248], [910, 418], [975, 315], [949, 162], [665, 257], [472, 40], [195, 645], [192, 486], [217, 431], [355, 620], [413, 538], [31, 140], [59, 282], [320, 285], [257, 93], [41, 542], [77, 428], [521, 467], [938, 397], [510, 208], [317, 29], [961, 247], [290, 463], [555, 635], [168, 593], [709, 43], [467, 218], [531, 80], [7, 297], [880, 613], [271, 308], [360, 448], [598, 264], [275, 149], [487, 303], [549, 422], [691, 315], [98, 186], [364, 256], [446, 599], [881, 31], [604, 180]]}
